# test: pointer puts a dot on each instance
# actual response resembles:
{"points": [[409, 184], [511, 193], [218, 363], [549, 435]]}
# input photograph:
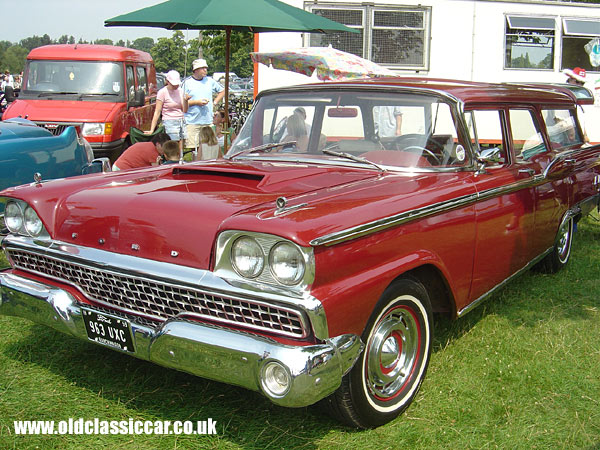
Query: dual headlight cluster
{"points": [[20, 218], [264, 257]]}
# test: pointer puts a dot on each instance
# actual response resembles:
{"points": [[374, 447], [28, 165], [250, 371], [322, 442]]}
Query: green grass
{"points": [[521, 371]]}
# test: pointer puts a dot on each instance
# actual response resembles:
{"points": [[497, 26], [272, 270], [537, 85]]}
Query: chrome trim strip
{"points": [[570, 213], [205, 350], [419, 213], [485, 296], [183, 276]]}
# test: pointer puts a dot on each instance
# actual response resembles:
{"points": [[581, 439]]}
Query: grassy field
{"points": [[521, 371]]}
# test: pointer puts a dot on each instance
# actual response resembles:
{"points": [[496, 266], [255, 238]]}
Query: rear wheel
{"points": [[561, 252], [387, 376]]}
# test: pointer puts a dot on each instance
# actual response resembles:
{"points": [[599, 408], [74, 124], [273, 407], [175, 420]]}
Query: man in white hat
{"points": [[575, 76], [198, 91]]}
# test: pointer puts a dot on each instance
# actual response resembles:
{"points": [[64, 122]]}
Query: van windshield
{"points": [[88, 80]]}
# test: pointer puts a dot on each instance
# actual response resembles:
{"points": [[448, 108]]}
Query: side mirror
{"points": [[490, 156], [138, 99]]}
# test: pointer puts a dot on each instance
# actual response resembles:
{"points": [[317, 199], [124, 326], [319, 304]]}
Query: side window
{"points": [[526, 137], [142, 78], [485, 130], [562, 129], [130, 79]]}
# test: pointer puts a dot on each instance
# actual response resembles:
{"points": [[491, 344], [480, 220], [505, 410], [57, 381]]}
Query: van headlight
{"points": [[92, 129], [287, 263]]}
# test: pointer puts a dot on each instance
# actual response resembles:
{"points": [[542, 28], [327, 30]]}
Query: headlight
{"points": [[287, 263], [92, 129], [247, 257], [33, 224], [13, 217]]}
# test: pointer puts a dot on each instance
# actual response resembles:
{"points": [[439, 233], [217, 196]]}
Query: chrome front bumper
{"points": [[205, 350]]}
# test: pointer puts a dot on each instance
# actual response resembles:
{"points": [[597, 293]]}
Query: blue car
{"points": [[27, 150]]}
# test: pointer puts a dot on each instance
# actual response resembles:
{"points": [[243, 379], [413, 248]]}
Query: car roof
{"points": [[469, 92], [88, 52]]}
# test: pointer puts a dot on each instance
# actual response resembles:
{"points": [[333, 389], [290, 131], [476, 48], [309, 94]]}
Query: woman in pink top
{"points": [[169, 102]]}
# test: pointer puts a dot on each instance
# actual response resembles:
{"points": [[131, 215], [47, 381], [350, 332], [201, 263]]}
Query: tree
{"points": [[35, 41], [103, 42], [144, 44], [170, 53], [120, 43], [14, 58], [241, 45]]}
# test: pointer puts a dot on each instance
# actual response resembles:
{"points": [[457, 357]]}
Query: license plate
{"points": [[108, 330]]}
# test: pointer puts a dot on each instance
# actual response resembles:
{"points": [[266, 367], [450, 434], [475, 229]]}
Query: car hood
{"points": [[163, 214], [57, 110]]}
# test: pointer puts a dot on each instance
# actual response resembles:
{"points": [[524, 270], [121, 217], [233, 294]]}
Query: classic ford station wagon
{"points": [[308, 263]]}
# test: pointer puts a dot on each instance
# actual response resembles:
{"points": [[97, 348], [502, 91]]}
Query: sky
{"points": [[77, 18]]}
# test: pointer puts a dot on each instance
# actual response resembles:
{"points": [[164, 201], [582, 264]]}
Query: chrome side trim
{"points": [[485, 296], [420, 213], [570, 213], [205, 350], [183, 276]]}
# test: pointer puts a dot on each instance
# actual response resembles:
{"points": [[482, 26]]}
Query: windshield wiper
{"points": [[49, 94], [261, 148], [353, 158], [91, 94]]}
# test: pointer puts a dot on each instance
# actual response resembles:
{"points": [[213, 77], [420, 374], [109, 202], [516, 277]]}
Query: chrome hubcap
{"points": [[564, 239], [392, 352]]}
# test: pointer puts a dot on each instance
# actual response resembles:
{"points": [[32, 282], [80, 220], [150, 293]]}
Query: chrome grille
{"points": [[159, 300], [56, 128]]}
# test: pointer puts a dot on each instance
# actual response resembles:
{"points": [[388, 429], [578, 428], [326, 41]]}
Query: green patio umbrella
{"points": [[257, 16]]}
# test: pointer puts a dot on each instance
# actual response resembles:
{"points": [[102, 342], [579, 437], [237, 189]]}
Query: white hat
{"points": [[173, 77], [578, 73], [198, 63]]}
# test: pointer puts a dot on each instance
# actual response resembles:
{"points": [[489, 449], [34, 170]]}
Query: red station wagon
{"points": [[308, 263], [102, 89]]}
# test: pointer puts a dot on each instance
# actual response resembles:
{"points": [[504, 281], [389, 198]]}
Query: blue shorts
{"points": [[175, 128]]}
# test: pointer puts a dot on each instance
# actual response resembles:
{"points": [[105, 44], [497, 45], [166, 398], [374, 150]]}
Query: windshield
{"points": [[389, 129], [81, 78]]}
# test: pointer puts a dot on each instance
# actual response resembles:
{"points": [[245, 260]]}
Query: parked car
{"points": [[309, 266], [103, 89], [29, 152]]}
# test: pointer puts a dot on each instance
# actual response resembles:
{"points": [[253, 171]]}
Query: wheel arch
{"points": [[437, 286]]}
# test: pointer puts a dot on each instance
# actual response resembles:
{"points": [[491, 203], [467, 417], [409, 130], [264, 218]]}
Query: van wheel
{"points": [[387, 376], [561, 252]]}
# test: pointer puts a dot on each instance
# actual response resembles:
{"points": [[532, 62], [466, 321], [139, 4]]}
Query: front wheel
{"points": [[386, 378]]}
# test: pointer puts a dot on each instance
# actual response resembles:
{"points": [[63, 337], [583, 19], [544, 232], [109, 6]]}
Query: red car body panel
{"points": [[462, 229]]}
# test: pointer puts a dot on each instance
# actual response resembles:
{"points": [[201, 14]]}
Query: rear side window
{"points": [[142, 79], [526, 137], [562, 128], [130, 80]]}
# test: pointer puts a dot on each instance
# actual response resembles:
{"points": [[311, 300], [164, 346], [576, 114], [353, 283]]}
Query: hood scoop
{"points": [[234, 173]]}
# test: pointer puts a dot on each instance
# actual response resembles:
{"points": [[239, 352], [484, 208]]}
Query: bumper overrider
{"points": [[288, 375]]}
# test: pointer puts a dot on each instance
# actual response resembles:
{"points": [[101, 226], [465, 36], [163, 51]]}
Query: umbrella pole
{"points": [[227, 45]]}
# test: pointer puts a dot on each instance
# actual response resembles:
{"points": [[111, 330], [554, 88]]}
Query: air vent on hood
{"points": [[238, 174]]}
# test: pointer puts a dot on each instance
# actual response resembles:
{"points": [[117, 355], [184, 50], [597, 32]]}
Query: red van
{"points": [[103, 89]]}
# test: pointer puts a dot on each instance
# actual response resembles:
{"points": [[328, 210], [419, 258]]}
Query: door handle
{"points": [[529, 171]]}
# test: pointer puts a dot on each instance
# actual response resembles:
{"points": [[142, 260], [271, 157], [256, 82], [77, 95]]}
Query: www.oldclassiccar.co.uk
{"points": [[105, 427]]}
